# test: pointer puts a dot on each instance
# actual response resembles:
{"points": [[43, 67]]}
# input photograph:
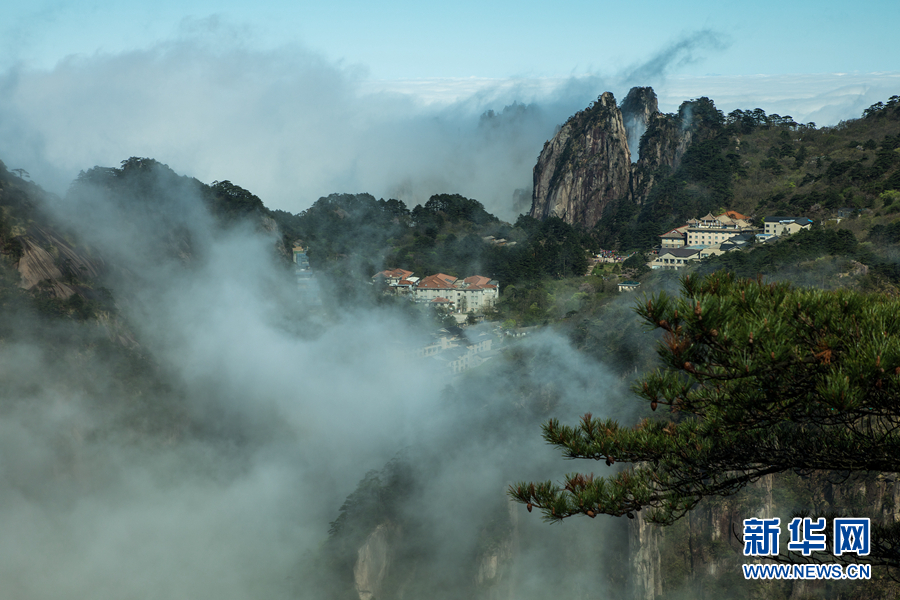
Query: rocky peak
{"points": [[637, 108], [587, 169], [666, 139], [585, 166]]}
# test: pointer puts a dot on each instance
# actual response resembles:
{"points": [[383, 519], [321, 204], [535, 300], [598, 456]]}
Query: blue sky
{"points": [[406, 39], [298, 100]]}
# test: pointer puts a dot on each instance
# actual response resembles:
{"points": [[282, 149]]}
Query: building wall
{"points": [[706, 253], [668, 261], [672, 242], [702, 236], [465, 299], [785, 228]]}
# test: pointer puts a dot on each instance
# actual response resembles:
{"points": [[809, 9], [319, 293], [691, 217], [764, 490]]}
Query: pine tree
{"points": [[758, 379]]}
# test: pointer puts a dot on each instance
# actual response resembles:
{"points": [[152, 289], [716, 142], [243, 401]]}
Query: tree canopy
{"points": [[758, 379]]}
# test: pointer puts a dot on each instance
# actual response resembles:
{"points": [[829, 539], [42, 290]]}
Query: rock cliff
{"points": [[608, 154], [638, 107], [391, 564], [373, 562], [700, 557], [584, 167], [47, 261]]}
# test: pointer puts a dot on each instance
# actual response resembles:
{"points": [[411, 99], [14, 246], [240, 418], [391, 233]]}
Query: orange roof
{"points": [[448, 278], [736, 215], [394, 274], [477, 280], [442, 301], [437, 282]]}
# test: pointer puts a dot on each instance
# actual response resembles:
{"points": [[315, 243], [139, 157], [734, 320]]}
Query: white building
{"points": [[675, 258], [472, 294], [781, 226], [712, 230]]}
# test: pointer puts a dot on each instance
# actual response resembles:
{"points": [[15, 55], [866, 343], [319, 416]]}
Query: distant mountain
{"points": [[584, 167], [699, 160]]}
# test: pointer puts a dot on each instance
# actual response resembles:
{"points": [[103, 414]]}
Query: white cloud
{"points": [[292, 126]]}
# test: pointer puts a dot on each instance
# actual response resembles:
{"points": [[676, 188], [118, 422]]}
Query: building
{"points": [[675, 258], [677, 238], [435, 286], [476, 293], [397, 281], [781, 226], [442, 341], [629, 286], [458, 350], [300, 258], [472, 294], [734, 243], [711, 230], [714, 250], [392, 276], [444, 303]]}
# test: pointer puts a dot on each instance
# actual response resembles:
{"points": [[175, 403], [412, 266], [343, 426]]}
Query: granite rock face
{"points": [[638, 107], [607, 155], [48, 261], [585, 167], [373, 562], [664, 143], [588, 164]]}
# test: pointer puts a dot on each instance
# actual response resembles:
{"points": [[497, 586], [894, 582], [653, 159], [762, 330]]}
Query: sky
{"points": [[295, 101]]}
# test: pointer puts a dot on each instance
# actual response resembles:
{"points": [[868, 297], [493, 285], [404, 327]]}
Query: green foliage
{"points": [[637, 262], [885, 234], [759, 379], [759, 164], [882, 110], [231, 202], [453, 208], [771, 258], [374, 501], [529, 303], [340, 225]]}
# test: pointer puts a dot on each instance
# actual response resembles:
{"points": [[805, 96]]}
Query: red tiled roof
{"points": [[437, 282], [481, 286], [448, 278], [394, 274], [477, 279]]}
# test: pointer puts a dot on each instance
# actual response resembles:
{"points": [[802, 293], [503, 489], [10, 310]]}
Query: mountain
{"points": [[609, 155], [596, 175], [44, 269], [584, 167]]}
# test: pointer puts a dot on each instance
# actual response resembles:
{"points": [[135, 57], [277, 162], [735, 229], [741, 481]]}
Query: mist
{"points": [[294, 126], [221, 479], [286, 124]]}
